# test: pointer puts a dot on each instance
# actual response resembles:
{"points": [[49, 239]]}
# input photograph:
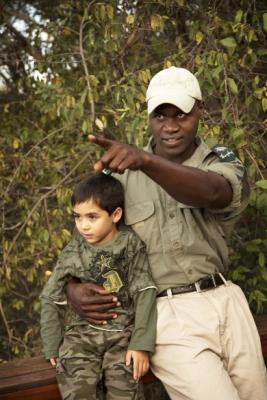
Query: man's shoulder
{"points": [[224, 153], [218, 152]]}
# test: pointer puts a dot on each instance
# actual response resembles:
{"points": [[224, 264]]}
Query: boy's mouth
{"points": [[87, 235]]}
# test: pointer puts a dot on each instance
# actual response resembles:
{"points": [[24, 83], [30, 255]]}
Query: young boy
{"points": [[115, 259]]}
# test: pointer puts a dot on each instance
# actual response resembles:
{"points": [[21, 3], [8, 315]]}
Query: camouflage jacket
{"points": [[120, 266]]}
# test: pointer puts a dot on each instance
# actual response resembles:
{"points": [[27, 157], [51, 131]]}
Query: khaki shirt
{"points": [[184, 243]]}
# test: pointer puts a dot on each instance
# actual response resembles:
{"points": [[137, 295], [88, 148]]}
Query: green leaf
{"points": [[130, 19], [261, 203], [264, 20], [99, 124], [261, 259], [262, 184], [238, 16], [261, 52], [253, 246], [264, 274], [238, 133], [229, 42], [85, 126], [156, 22], [16, 143], [264, 103], [199, 37], [232, 86], [110, 11]]}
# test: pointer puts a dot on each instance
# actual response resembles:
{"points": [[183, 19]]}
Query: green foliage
{"points": [[89, 74]]}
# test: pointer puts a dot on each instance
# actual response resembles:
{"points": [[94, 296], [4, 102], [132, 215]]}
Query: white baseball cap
{"points": [[176, 86]]}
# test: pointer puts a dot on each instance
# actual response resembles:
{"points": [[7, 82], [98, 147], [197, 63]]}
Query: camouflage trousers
{"points": [[88, 356]]}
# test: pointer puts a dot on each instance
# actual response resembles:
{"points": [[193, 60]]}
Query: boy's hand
{"points": [[140, 362], [53, 361]]}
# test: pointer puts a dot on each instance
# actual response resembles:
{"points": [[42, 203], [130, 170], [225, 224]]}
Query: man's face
{"points": [[174, 131], [94, 223]]}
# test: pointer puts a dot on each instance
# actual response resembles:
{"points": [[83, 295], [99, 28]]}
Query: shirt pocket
{"points": [[142, 219]]}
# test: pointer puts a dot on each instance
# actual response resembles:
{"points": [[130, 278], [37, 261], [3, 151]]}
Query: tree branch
{"points": [[20, 15], [9, 333], [87, 76], [36, 53], [41, 199]]}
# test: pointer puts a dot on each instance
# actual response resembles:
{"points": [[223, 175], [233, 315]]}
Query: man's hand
{"points": [[140, 362], [91, 301], [118, 156]]}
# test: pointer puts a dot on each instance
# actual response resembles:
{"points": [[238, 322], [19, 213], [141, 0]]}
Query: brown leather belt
{"points": [[205, 283]]}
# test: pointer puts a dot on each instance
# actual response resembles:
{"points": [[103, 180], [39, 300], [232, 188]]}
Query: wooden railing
{"points": [[34, 378]]}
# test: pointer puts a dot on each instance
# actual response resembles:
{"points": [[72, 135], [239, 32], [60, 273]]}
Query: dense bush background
{"points": [[69, 68]]}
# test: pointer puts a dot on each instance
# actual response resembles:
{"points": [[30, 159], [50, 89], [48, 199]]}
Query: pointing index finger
{"points": [[101, 141]]}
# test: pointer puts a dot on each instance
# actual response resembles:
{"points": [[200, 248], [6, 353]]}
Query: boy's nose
{"points": [[85, 225]]}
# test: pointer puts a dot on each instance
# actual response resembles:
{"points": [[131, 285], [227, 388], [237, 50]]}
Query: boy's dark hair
{"points": [[106, 191]]}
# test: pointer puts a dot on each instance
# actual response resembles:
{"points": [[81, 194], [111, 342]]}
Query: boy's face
{"points": [[94, 223]]}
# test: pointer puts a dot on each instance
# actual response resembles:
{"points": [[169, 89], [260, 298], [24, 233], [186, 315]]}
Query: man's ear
{"points": [[201, 107], [117, 214]]}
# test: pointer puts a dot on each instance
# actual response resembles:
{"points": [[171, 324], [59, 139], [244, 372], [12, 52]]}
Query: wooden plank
{"points": [[49, 392], [24, 366], [28, 380]]}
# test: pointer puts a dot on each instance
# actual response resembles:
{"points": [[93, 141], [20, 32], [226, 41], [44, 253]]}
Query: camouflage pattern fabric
{"points": [[120, 265], [88, 356]]}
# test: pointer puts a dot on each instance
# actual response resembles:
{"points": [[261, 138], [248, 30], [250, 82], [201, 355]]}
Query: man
{"points": [[182, 199]]}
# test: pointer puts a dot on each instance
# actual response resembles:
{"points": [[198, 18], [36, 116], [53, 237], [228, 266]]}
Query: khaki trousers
{"points": [[208, 347]]}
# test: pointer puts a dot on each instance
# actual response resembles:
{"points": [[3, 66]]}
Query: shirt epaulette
{"points": [[224, 153]]}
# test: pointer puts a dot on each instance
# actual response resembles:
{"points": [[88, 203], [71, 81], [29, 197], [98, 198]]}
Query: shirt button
{"points": [[190, 271], [171, 215], [176, 244]]}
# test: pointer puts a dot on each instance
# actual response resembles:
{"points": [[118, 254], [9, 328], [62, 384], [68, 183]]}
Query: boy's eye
{"points": [[92, 217], [89, 217]]}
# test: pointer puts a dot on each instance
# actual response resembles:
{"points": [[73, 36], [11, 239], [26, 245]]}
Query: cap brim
{"points": [[184, 102]]}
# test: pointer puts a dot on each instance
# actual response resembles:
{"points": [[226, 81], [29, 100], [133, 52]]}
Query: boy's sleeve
{"points": [[53, 303], [139, 275], [143, 291], [144, 332], [52, 317]]}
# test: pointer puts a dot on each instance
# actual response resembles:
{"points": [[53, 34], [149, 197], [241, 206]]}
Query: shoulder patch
{"points": [[224, 153]]}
